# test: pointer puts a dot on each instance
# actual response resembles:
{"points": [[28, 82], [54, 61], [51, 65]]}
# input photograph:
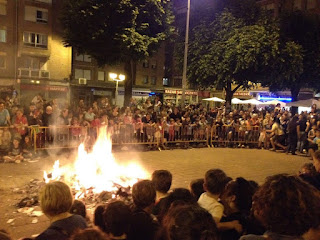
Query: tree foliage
{"points": [[229, 51], [114, 31]]}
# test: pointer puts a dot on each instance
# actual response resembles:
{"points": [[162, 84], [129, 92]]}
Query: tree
{"points": [[299, 54], [227, 51], [114, 31]]}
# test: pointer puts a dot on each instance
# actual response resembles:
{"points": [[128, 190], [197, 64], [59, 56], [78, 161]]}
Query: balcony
{"points": [[33, 73]]}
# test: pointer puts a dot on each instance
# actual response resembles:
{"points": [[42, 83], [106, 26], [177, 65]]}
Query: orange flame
{"points": [[97, 169]]}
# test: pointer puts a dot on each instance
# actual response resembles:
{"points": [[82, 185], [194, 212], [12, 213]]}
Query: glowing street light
{"points": [[117, 79]]}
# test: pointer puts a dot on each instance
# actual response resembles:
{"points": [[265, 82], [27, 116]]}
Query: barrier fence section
{"points": [[59, 137]]}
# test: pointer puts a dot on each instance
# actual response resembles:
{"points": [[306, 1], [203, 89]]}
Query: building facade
{"points": [[33, 59]]}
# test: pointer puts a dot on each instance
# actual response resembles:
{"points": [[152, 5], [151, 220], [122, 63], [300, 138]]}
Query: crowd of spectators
{"points": [[271, 127], [215, 207]]}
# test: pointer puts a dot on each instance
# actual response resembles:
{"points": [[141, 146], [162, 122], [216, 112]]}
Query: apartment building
{"points": [[91, 82], [276, 6], [33, 59]]}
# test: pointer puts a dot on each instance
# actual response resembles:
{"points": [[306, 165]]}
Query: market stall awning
{"points": [[214, 99], [304, 103], [252, 101], [236, 101]]}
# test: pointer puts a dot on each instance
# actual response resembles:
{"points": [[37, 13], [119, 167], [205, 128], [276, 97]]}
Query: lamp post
{"points": [[185, 61], [114, 77]]}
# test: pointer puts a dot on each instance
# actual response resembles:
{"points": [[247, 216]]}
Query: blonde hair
{"points": [[55, 198]]}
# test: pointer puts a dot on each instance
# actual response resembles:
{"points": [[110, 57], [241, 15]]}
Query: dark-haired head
{"points": [[117, 217], [189, 222], [287, 205], [238, 195], [143, 194], [162, 180], [215, 180], [89, 234], [196, 188], [98, 217], [78, 208]]}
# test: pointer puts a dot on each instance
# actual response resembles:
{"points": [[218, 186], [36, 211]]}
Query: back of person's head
{"points": [[189, 222], [240, 192], [55, 198], [117, 218], [308, 169], [215, 181], [4, 235], [89, 234], [287, 205], [79, 208], [196, 187], [98, 217], [143, 194], [316, 160], [162, 180]]}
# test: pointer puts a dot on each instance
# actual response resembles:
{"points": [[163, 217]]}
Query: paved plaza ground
{"points": [[185, 166]]}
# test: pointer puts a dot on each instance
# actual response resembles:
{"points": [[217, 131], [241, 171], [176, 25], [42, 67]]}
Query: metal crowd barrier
{"points": [[59, 137]]}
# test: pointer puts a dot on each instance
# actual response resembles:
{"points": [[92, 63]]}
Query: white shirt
{"points": [[212, 206]]}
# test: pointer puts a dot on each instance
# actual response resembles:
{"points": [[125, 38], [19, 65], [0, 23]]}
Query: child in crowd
{"points": [[15, 153], [117, 217], [171, 126], [196, 188], [161, 180], [177, 129], [27, 148], [6, 140], [144, 225], [315, 144]]}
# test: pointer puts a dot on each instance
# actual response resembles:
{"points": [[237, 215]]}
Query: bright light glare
{"points": [[113, 75], [122, 77]]}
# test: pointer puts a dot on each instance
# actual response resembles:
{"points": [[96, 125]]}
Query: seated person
{"points": [[161, 180], [89, 234], [315, 143], [15, 152], [196, 188], [289, 216], [143, 224], [56, 201], [27, 148], [117, 220]]}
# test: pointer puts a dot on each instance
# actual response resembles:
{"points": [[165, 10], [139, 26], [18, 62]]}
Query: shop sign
{"points": [[179, 92], [44, 88], [101, 93], [136, 93], [241, 93]]}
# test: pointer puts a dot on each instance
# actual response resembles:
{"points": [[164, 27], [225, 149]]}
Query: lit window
{"points": [[3, 35], [165, 81], [154, 65], [3, 9], [145, 79], [101, 76], [153, 80], [35, 40]]}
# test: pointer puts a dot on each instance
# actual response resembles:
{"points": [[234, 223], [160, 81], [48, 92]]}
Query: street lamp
{"points": [[115, 78]]}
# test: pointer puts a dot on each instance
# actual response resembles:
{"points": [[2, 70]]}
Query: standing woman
{"points": [[292, 135]]}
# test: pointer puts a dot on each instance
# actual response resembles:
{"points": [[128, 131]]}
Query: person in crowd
{"points": [[15, 154], [117, 220], [143, 224], [196, 188], [292, 135], [89, 234], [214, 183], [315, 144], [287, 206], [5, 140], [78, 207], [4, 115], [89, 115], [309, 174], [188, 222], [278, 138], [162, 180], [4, 235], [302, 128], [56, 201], [20, 124], [98, 220], [237, 201], [27, 148]]}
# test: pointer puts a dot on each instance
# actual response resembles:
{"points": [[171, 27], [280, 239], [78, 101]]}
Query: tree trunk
{"points": [[294, 95], [229, 95], [129, 68]]}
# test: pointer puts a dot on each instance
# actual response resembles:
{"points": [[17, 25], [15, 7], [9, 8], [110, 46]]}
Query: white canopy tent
{"points": [[252, 101], [304, 103], [214, 99], [275, 102], [236, 101]]}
